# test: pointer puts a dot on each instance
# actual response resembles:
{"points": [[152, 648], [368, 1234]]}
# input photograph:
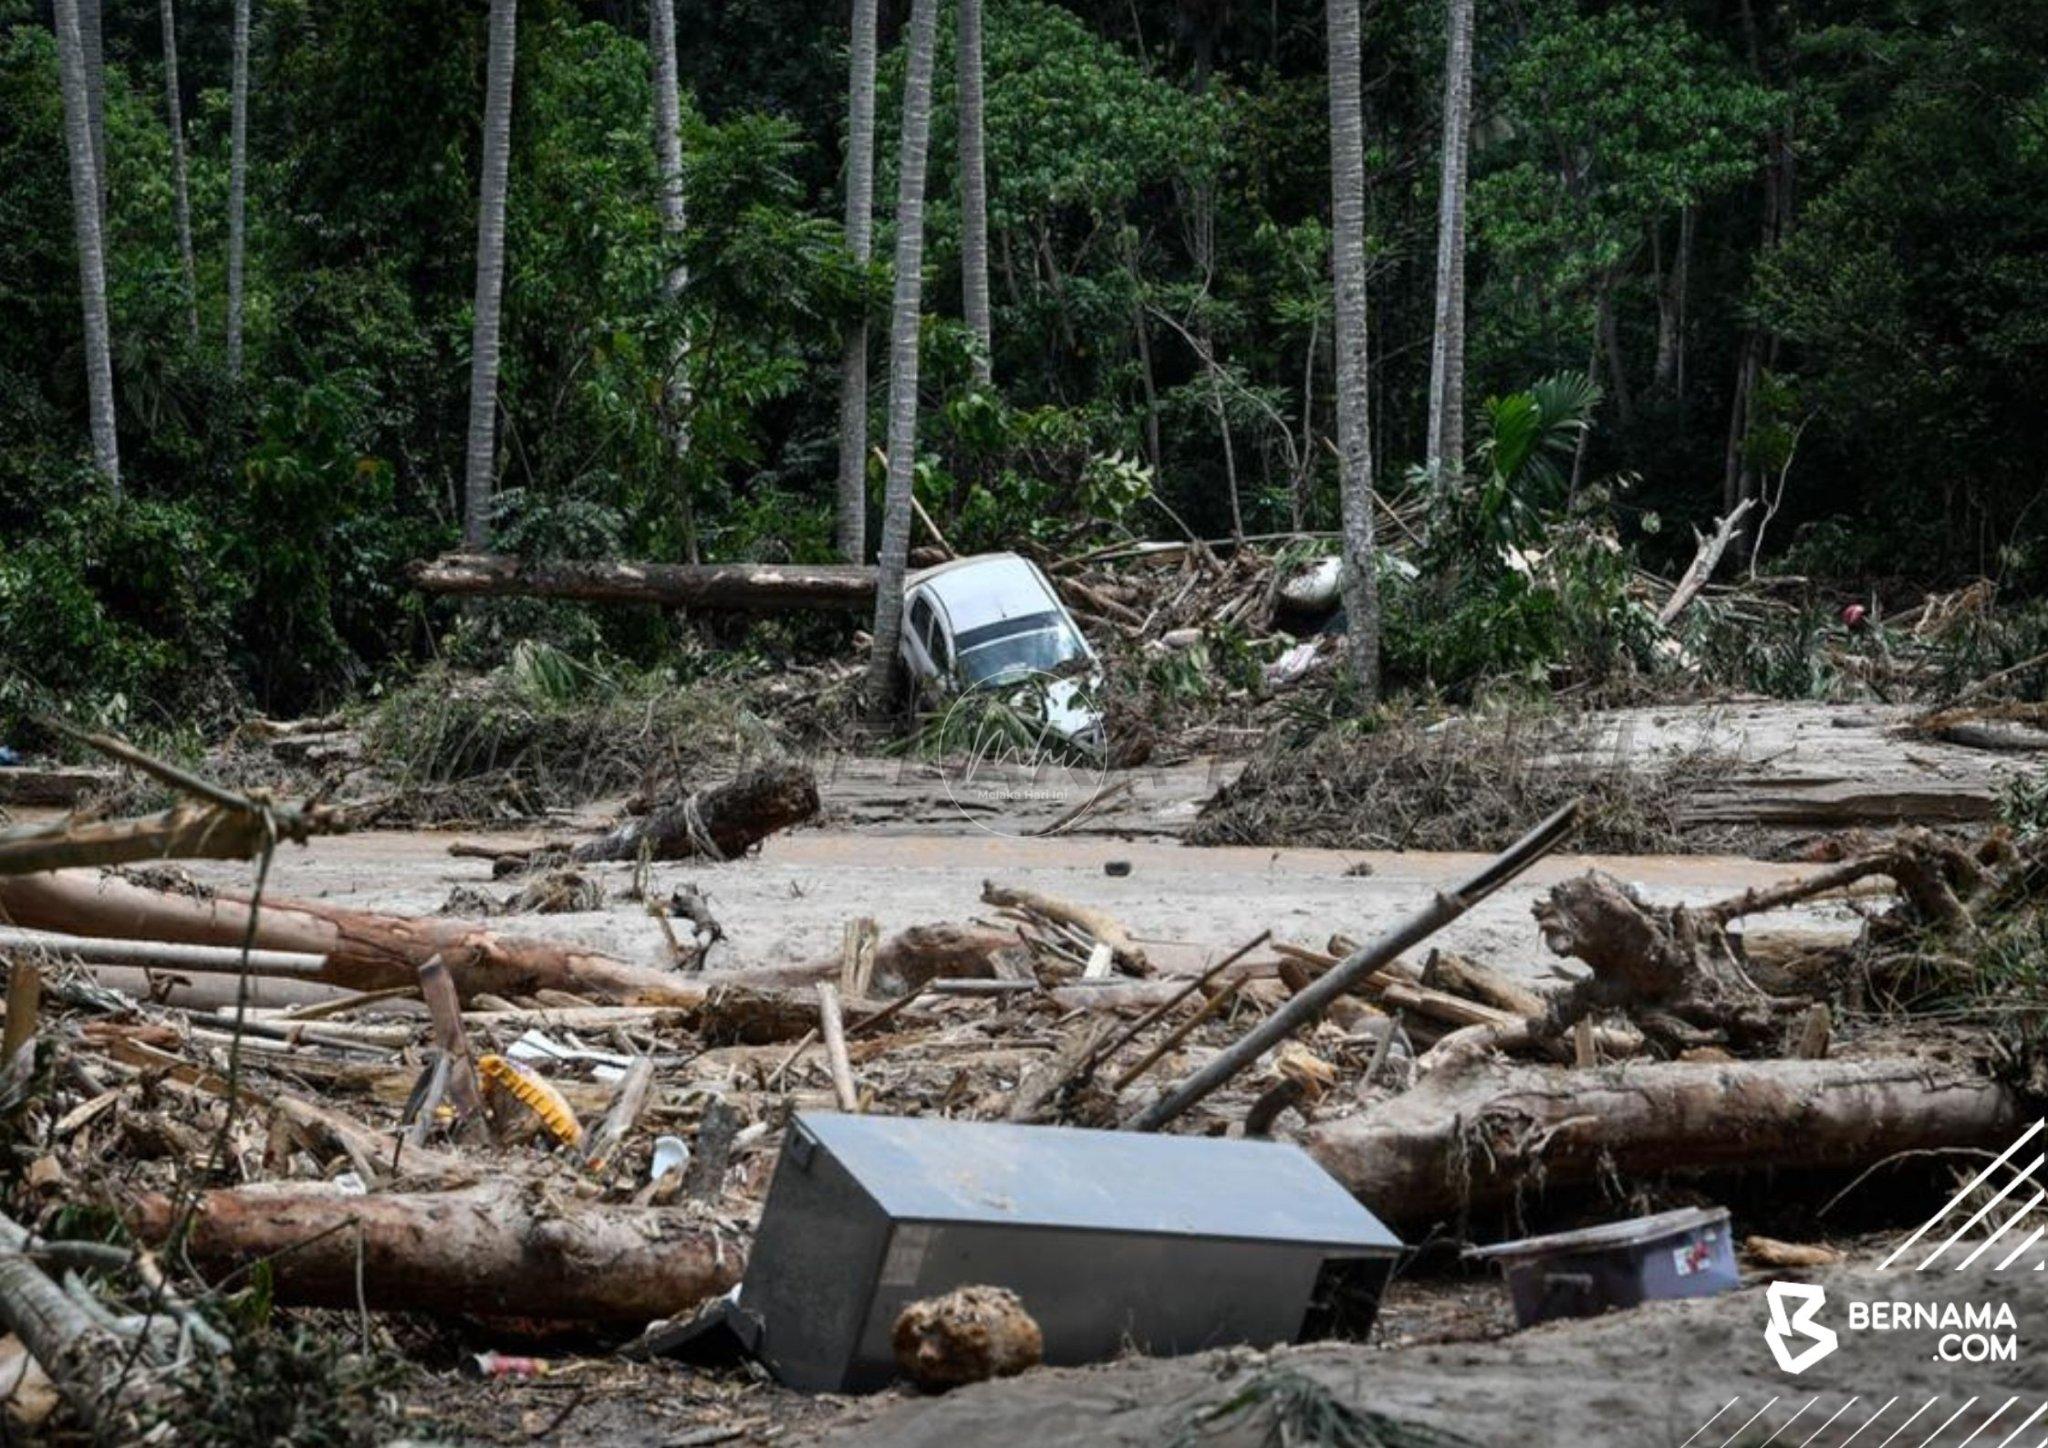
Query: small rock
{"points": [[966, 1336]]}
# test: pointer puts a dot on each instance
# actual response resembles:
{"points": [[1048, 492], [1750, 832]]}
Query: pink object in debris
{"points": [[1854, 615], [508, 1365]]}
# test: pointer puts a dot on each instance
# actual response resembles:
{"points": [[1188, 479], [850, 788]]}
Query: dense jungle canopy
{"points": [[1793, 250]]}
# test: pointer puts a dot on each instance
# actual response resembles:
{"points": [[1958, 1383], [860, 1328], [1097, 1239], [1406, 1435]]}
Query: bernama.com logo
{"points": [[1978, 1224]]}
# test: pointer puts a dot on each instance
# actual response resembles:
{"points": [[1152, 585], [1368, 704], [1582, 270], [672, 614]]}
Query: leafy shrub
{"points": [[113, 605]]}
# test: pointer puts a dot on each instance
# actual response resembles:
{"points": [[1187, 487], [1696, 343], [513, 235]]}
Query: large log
{"points": [[497, 1249], [363, 950], [1477, 1135], [737, 587]]}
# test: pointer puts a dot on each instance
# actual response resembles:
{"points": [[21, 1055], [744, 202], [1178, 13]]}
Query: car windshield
{"points": [[1038, 643]]}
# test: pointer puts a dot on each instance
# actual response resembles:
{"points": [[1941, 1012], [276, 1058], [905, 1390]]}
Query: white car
{"points": [[993, 620]]}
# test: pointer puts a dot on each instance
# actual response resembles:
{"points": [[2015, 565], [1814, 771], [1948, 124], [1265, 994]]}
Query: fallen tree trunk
{"points": [[1703, 564], [363, 950], [739, 587], [491, 1250], [1479, 1135], [721, 823]]}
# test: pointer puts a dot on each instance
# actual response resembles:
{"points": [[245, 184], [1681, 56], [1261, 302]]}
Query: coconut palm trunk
{"points": [[974, 194], [1446, 447], [92, 43], [85, 223], [238, 185], [1354, 436], [181, 194], [668, 155], [479, 463], [903, 329], [860, 235]]}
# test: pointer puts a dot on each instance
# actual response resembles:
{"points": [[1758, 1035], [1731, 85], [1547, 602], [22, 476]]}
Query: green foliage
{"points": [[114, 612], [1160, 267], [290, 1382], [547, 728], [1626, 116], [1518, 581], [1914, 284]]}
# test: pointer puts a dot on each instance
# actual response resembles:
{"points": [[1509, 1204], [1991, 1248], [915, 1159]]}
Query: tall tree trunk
{"points": [[238, 185], [92, 39], [1147, 379], [903, 328], [668, 154], [1446, 445], [1607, 324], [860, 237], [1347, 256], [1671, 290], [974, 194], [85, 222], [480, 462], [181, 195]]}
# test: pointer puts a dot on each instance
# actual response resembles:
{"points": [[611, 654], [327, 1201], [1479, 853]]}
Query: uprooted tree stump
{"points": [[1674, 971], [721, 823], [1670, 969], [1483, 1132]]}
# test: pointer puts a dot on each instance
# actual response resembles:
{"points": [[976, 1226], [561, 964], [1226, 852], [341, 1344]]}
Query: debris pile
{"points": [[444, 1117]]}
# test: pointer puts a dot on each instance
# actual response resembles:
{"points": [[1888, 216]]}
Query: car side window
{"points": [[921, 620], [938, 647]]}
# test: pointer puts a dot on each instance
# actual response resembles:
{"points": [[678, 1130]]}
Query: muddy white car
{"points": [[993, 622]]}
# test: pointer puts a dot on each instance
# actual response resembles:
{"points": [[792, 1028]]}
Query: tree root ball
{"points": [[967, 1336]]}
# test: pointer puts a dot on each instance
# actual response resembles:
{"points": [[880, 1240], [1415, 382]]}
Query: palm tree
{"points": [[93, 41], [181, 196], [479, 462], [860, 233], [974, 194], [85, 222], [668, 155], [903, 329], [1446, 447], [238, 184], [1347, 257]]}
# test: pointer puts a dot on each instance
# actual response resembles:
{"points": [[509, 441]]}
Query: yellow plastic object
{"points": [[508, 1078]]}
